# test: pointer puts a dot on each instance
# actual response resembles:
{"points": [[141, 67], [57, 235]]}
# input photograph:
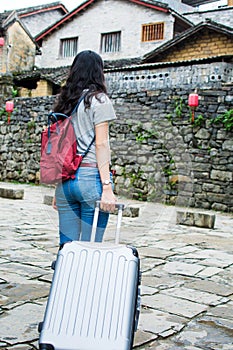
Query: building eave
{"points": [[35, 12], [63, 19], [163, 8], [143, 66]]}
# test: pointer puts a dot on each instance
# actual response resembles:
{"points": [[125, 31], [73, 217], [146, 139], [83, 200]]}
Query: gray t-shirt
{"points": [[85, 121]]}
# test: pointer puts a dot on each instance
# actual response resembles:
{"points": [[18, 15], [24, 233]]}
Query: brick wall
{"points": [[208, 44], [44, 88]]}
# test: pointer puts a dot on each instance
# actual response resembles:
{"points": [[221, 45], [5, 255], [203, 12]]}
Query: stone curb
{"points": [[195, 219], [11, 193]]}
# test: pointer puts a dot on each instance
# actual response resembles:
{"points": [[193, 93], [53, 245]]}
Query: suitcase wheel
{"points": [[46, 347], [40, 326], [53, 265]]}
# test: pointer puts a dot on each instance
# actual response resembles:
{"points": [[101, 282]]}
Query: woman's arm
{"points": [[108, 199]]}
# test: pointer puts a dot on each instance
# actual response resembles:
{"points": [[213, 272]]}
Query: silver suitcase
{"points": [[94, 299]]}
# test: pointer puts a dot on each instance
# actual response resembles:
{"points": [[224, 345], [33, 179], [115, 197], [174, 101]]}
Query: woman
{"points": [[75, 198]]}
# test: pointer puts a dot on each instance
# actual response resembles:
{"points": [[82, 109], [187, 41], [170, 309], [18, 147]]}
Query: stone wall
{"points": [[152, 77], [20, 140], [158, 154], [6, 86]]}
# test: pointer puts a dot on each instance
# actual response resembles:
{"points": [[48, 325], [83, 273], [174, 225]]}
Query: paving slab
{"points": [[182, 268], [211, 287], [173, 305], [20, 324], [187, 285]]}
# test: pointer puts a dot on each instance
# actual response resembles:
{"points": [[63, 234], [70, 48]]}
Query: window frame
{"points": [[109, 44], [157, 33], [72, 50]]}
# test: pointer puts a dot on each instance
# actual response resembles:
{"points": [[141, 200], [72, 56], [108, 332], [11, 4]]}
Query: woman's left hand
{"points": [[108, 199]]}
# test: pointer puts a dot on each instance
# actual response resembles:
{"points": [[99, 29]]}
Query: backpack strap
{"points": [[88, 148], [77, 105], [75, 110]]}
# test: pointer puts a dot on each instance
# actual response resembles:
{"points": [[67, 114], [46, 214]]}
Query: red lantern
{"points": [[9, 109], [2, 42], [193, 100], [193, 103], [9, 106]]}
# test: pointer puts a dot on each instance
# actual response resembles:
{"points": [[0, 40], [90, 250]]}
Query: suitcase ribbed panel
{"points": [[92, 298]]}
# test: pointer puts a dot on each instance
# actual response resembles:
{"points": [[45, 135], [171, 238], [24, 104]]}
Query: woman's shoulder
{"points": [[101, 98]]}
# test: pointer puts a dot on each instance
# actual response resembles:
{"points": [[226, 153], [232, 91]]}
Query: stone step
{"points": [[198, 219], [11, 193]]}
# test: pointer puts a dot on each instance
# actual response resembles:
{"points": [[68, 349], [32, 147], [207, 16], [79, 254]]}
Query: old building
{"points": [[18, 47], [115, 29], [207, 40], [17, 30]]}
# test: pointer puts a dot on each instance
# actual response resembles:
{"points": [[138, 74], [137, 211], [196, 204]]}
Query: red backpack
{"points": [[59, 159]]}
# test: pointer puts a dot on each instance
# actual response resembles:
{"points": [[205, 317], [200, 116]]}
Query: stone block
{"points": [[11, 193], [48, 199], [195, 219], [131, 211]]}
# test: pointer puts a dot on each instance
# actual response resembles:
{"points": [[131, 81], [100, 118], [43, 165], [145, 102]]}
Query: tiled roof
{"points": [[33, 9], [30, 9], [3, 17], [58, 75]]}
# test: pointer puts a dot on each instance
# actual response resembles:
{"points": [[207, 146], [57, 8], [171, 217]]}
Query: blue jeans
{"points": [[75, 201]]}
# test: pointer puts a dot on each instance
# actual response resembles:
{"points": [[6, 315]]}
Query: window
{"points": [[152, 32], [68, 47], [111, 42]]}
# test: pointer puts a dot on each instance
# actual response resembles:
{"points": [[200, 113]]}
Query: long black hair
{"points": [[86, 72]]}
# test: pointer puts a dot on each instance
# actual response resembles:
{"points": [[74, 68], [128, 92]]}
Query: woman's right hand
{"points": [[54, 204]]}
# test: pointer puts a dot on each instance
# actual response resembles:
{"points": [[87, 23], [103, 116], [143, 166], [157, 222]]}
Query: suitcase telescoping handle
{"points": [[120, 208]]}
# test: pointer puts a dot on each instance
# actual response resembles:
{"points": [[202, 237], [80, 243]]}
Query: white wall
{"points": [[38, 22], [106, 16]]}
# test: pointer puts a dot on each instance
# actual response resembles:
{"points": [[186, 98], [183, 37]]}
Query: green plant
{"points": [[14, 92], [179, 107], [31, 124], [167, 171], [226, 119], [3, 112], [142, 134], [134, 177], [169, 117], [199, 120]]}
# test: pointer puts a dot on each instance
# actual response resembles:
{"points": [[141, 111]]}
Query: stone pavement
{"points": [[187, 284]]}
